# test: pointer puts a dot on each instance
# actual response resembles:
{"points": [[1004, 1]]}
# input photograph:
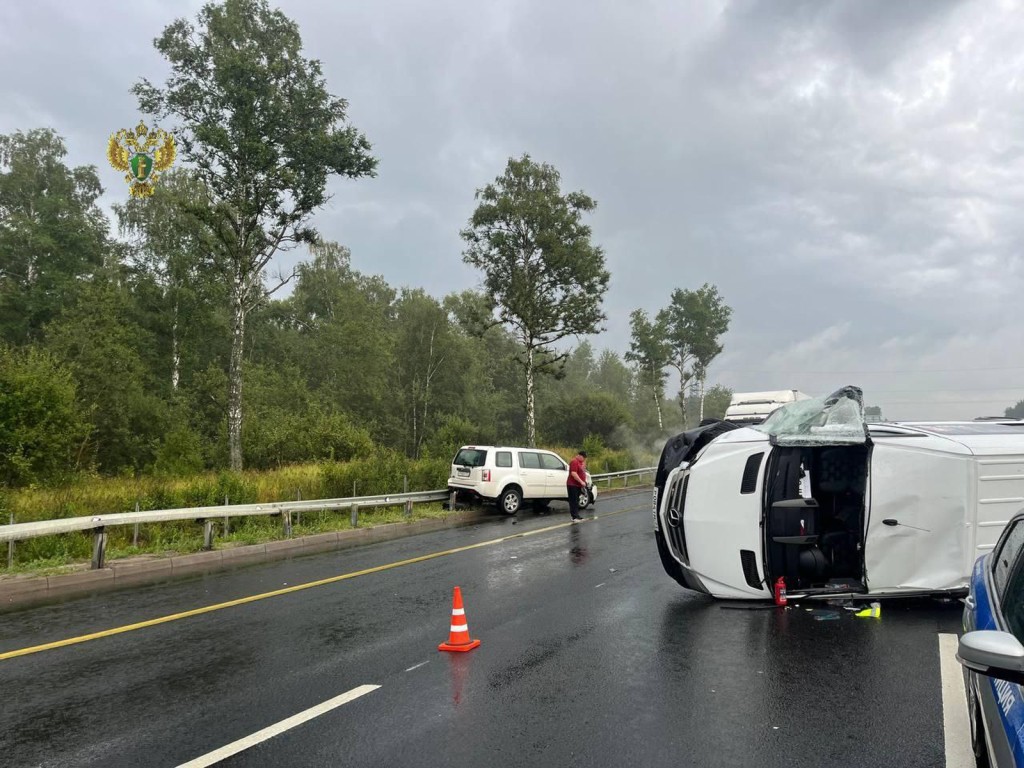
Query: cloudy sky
{"points": [[849, 174]]}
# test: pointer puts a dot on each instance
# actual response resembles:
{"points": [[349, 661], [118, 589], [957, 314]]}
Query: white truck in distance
{"points": [[754, 407]]}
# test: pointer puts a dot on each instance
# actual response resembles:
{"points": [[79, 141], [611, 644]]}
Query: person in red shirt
{"points": [[577, 479]]}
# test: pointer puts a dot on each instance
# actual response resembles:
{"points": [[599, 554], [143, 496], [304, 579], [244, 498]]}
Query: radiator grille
{"points": [[674, 511]]}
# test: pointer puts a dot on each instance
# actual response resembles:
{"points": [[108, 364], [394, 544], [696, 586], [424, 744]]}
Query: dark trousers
{"points": [[574, 500]]}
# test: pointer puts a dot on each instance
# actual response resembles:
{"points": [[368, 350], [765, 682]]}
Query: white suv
{"points": [[509, 476]]}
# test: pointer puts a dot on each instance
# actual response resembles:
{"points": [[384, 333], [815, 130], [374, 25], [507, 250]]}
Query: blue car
{"points": [[992, 653]]}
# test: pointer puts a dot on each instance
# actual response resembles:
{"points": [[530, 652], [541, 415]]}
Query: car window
{"points": [[529, 460], [503, 459], [1005, 557], [470, 457], [552, 462], [1013, 601]]}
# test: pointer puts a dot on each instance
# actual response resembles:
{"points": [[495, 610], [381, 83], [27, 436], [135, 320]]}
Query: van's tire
{"points": [[510, 500], [584, 497]]}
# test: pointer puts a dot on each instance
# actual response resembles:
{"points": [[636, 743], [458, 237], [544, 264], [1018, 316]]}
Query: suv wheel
{"points": [[510, 500], [584, 498]]}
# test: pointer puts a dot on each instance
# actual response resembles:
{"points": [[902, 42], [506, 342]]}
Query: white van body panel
{"points": [[950, 489], [715, 539]]}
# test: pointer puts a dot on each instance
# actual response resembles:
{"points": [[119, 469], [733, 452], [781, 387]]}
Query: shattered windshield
{"points": [[834, 420]]}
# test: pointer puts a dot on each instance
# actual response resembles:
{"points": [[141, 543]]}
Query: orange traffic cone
{"points": [[458, 637]]}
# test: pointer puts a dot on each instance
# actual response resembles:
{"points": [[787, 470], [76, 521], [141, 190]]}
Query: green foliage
{"points": [[650, 353], [597, 414], [694, 323], [180, 453], [42, 430], [454, 432], [52, 233], [99, 343], [263, 135], [541, 272], [1016, 412], [178, 297], [716, 403]]}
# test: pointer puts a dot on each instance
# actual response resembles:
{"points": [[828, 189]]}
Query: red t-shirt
{"points": [[576, 465]]}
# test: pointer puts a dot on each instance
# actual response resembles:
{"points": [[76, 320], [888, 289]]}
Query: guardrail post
{"points": [[451, 502], [408, 507], [286, 517], [99, 548], [355, 516], [625, 481], [10, 549], [208, 534]]}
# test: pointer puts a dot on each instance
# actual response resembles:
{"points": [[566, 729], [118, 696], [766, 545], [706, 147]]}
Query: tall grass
{"points": [[380, 472]]}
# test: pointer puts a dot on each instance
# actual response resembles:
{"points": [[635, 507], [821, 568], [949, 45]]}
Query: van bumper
{"points": [[683, 575]]}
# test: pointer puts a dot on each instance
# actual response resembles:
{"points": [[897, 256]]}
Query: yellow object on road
{"points": [[873, 611]]}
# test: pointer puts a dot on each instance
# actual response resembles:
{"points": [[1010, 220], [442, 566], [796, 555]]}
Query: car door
{"points": [[532, 475], [997, 602], [556, 474]]}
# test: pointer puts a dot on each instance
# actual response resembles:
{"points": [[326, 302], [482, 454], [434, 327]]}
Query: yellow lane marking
{"points": [[288, 590]]}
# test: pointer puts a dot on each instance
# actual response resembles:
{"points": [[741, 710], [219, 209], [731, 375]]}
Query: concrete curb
{"points": [[28, 589]]}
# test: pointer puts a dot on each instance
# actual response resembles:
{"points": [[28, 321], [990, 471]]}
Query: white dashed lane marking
{"points": [[278, 728]]}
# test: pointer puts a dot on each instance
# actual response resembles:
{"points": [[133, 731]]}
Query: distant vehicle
{"points": [[510, 476], [832, 505], [992, 653], [750, 408]]}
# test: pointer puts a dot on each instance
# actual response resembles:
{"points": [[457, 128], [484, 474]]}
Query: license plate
{"points": [[462, 472]]}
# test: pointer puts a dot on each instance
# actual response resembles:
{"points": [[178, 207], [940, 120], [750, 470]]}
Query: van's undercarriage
{"points": [[813, 522]]}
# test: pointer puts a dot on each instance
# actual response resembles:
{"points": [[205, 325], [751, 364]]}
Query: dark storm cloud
{"points": [[848, 174]]}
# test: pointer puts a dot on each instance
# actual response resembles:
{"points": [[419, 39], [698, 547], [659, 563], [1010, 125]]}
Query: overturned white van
{"points": [[834, 506]]}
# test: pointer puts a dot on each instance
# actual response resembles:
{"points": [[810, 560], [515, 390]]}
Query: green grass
{"points": [[383, 472]]}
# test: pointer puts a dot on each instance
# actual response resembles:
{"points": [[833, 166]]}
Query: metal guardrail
{"points": [[211, 515]]}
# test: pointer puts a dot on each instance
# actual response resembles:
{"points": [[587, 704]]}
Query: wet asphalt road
{"points": [[590, 656]]}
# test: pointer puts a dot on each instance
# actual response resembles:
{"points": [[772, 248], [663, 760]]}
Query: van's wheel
{"points": [[510, 501], [584, 498]]}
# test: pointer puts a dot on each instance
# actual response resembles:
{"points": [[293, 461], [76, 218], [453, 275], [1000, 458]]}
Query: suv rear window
{"points": [[470, 457], [503, 459]]}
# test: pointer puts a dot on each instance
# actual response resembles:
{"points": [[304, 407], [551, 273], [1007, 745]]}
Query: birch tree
{"points": [[544, 276], [261, 131]]}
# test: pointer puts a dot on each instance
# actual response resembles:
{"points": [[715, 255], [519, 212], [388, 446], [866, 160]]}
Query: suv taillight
{"points": [[485, 475]]}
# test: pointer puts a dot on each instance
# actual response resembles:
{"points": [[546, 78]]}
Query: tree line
{"points": [[161, 341]]}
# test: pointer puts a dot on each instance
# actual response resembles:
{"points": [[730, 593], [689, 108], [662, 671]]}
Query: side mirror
{"points": [[995, 654]]}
